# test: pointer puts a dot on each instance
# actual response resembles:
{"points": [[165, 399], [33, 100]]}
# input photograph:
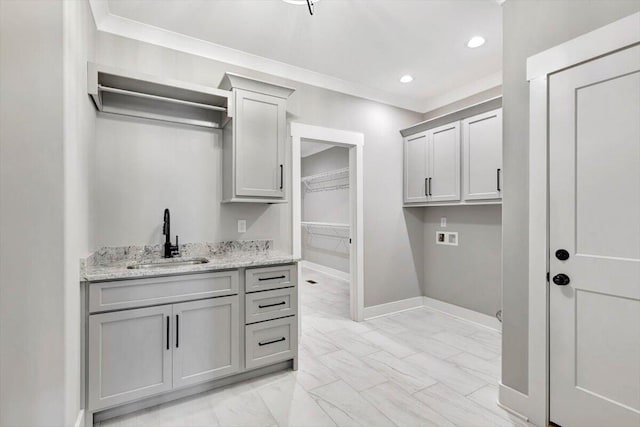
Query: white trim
{"points": [[337, 274], [512, 401], [463, 313], [79, 419], [617, 35], [386, 309], [120, 26], [355, 142], [604, 40]]}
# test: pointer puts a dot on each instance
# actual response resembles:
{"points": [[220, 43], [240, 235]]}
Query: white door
{"points": [[482, 141], [206, 342], [594, 148], [415, 168], [260, 127], [129, 355], [444, 163]]}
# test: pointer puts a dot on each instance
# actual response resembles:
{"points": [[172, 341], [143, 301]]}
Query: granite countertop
{"points": [[110, 263]]}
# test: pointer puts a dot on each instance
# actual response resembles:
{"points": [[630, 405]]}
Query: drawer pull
{"points": [[271, 342], [271, 278], [272, 305], [167, 332]]}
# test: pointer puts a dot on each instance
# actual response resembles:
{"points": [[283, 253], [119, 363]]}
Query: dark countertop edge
{"points": [[197, 269]]}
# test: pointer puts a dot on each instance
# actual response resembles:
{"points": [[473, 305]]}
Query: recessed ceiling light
{"points": [[475, 41], [406, 79]]}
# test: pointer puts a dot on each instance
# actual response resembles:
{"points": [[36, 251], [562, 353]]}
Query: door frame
{"points": [[354, 141], [602, 41]]}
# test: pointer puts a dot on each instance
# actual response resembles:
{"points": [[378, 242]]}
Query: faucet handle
{"points": [[175, 250]]}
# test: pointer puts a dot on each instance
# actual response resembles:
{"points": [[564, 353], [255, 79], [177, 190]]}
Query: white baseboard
{"points": [[392, 307], [326, 270], [513, 401], [463, 313], [80, 420]]}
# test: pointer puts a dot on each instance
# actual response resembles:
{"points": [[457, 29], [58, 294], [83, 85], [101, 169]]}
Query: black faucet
{"points": [[169, 250]]}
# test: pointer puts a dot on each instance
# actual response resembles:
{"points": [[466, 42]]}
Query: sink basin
{"points": [[168, 263]]}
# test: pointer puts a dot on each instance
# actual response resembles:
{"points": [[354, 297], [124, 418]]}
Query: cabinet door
{"points": [[260, 127], [129, 355], [415, 168], [482, 136], [207, 340], [444, 163]]}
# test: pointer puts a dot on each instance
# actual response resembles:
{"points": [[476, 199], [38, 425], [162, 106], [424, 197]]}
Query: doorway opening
{"points": [[327, 219]]}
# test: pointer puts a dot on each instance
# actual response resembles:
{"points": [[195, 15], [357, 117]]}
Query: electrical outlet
{"points": [[449, 238], [242, 226], [443, 221]]}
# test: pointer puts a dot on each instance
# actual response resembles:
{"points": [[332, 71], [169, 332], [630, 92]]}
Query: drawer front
{"points": [[161, 290], [262, 279], [270, 342], [267, 305]]}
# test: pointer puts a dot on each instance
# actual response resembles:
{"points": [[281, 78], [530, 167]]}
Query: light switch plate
{"points": [[443, 221], [242, 226], [449, 238]]}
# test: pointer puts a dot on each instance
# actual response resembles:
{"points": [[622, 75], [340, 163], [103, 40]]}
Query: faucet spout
{"points": [[169, 249]]}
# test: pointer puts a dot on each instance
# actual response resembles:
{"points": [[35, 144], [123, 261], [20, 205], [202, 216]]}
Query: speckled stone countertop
{"points": [[110, 263]]}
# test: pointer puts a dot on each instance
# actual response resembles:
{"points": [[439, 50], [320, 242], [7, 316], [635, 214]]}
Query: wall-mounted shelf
{"points": [[332, 180], [332, 231], [135, 94]]}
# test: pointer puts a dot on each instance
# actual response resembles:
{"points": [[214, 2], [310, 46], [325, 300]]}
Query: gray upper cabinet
{"points": [[444, 163], [482, 140], [254, 144], [432, 165], [130, 355], [207, 340], [415, 168]]}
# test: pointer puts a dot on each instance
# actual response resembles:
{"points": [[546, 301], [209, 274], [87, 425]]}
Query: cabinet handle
{"points": [[498, 179], [271, 278], [271, 342], [167, 332], [177, 330], [426, 187], [281, 176], [272, 305], [430, 187]]}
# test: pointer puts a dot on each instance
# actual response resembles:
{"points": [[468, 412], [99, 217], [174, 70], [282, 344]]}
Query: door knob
{"points": [[561, 279], [562, 254]]}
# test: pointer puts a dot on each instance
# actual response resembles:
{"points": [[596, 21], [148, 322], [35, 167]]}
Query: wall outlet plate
{"points": [[449, 238], [242, 226], [443, 221]]}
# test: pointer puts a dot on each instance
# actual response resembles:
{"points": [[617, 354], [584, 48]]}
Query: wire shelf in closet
{"points": [[327, 181], [335, 232]]}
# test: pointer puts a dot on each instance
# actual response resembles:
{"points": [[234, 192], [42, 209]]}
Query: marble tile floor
{"points": [[415, 368]]}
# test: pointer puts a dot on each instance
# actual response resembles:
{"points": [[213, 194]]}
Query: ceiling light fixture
{"points": [[309, 3], [475, 41], [406, 79]]}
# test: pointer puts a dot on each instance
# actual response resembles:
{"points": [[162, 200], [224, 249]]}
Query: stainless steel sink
{"points": [[169, 263]]}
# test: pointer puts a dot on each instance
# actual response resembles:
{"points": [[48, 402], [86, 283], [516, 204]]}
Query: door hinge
{"points": [[547, 277]]}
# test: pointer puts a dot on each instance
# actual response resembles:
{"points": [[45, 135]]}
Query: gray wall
{"points": [[79, 142], [467, 275], [393, 253], [32, 373], [325, 206], [530, 27]]}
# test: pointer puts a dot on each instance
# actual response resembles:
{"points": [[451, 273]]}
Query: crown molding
{"points": [[117, 25]]}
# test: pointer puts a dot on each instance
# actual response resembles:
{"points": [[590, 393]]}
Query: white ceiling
{"points": [[361, 46]]}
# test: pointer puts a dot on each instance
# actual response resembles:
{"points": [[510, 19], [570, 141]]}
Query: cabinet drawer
{"points": [[269, 305], [270, 342], [161, 290], [262, 279]]}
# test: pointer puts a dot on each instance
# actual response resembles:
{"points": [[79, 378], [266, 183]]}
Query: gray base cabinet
{"points": [[207, 340], [130, 355], [160, 336]]}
